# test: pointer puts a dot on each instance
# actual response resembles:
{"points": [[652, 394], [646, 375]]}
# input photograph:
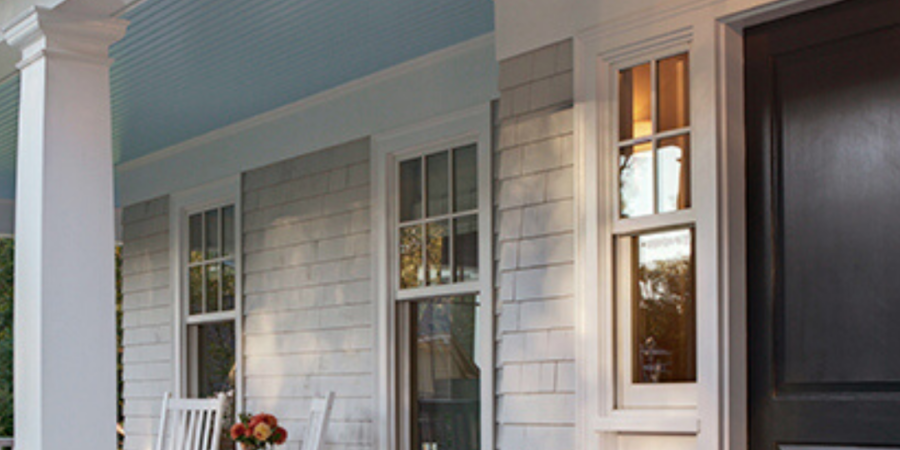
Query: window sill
{"points": [[649, 421]]}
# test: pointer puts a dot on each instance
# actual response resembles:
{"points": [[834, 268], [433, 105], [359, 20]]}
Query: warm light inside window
{"points": [[654, 137]]}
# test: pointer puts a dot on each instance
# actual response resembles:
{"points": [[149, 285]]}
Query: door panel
{"points": [[823, 211]]}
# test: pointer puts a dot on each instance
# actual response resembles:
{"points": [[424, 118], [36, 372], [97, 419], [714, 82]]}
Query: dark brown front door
{"points": [[823, 223]]}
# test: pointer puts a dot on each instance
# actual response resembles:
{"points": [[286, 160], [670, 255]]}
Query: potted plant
{"points": [[258, 432]]}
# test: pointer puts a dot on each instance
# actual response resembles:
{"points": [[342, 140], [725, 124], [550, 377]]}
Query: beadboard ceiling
{"points": [[187, 67]]}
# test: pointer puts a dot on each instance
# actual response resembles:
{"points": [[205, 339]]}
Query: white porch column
{"points": [[65, 341]]}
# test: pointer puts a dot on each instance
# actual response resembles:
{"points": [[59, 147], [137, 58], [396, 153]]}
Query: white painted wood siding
{"points": [[535, 251], [147, 318], [308, 297]]}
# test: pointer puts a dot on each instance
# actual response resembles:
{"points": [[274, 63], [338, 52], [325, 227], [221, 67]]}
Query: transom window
{"points": [[653, 246], [438, 218]]}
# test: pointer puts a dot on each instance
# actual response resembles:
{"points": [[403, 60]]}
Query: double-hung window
{"points": [[209, 307], [653, 237], [439, 289]]}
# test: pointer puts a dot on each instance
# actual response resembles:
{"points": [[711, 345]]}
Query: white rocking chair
{"points": [[190, 424], [319, 414]]}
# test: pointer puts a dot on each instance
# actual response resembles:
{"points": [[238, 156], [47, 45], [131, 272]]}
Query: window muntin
{"points": [[437, 276], [438, 247], [654, 137], [439, 339], [210, 342], [653, 250], [211, 261]]}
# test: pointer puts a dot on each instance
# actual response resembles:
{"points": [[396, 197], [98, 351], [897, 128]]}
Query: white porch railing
{"points": [[7, 443]]}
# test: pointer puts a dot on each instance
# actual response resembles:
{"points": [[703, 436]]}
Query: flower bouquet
{"points": [[258, 432]]}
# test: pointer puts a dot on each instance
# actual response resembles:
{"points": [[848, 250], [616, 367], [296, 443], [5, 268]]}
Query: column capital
{"points": [[40, 32]]}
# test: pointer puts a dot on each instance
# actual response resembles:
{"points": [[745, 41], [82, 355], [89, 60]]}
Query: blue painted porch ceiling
{"points": [[187, 67]]}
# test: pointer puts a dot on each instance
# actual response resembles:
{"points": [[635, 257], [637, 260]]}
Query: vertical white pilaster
{"points": [[65, 341]]}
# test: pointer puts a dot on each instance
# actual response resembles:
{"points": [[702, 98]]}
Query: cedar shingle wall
{"points": [[308, 296], [147, 318], [534, 216]]}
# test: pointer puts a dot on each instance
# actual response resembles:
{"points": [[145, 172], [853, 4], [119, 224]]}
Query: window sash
{"points": [[425, 289], [630, 395]]}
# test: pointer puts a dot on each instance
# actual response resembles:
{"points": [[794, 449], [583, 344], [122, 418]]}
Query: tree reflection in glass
{"points": [[664, 328], [446, 386]]}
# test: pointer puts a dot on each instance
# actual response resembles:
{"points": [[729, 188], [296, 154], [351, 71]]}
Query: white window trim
{"points": [[601, 417], [629, 394], [181, 206], [462, 127], [720, 421]]}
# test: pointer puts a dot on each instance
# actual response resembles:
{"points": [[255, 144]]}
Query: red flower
{"points": [[255, 420], [270, 420], [280, 436], [238, 430]]}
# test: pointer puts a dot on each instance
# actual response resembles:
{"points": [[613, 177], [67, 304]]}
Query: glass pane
{"points": [[411, 270], [438, 183], [663, 308], [212, 234], [195, 283], [438, 252], [636, 180], [446, 390], [411, 190], [465, 248], [635, 112], [228, 286], [195, 233], [465, 178], [212, 288], [228, 233], [673, 160], [211, 368], [674, 95]]}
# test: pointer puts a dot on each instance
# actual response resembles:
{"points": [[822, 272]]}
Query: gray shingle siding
{"points": [[534, 213]]}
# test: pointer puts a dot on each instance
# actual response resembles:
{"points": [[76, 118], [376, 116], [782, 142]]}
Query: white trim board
{"points": [[719, 421], [8, 219], [221, 192], [467, 125], [455, 78]]}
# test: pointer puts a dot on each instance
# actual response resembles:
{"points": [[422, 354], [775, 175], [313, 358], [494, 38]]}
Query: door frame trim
{"points": [[717, 28]]}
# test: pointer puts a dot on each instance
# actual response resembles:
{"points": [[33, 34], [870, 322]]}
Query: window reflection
{"points": [[410, 190], [654, 138], [465, 178], [674, 99], [635, 111], [445, 390], [211, 348], [465, 248], [663, 307], [411, 270], [636, 180], [437, 180], [673, 173], [438, 252]]}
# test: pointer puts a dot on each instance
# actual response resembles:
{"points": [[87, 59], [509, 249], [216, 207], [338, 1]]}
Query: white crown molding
{"points": [[485, 40], [640, 19], [39, 32]]}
